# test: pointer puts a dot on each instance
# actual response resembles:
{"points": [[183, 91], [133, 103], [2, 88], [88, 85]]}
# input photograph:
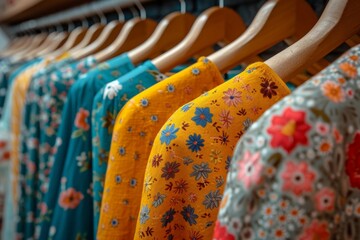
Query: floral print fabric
{"points": [[45, 98], [295, 172], [138, 122], [72, 174], [187, 166], [107, 104]]}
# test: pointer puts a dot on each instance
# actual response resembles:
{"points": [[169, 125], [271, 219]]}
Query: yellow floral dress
{"points": [[189, 160], [135, 128]]}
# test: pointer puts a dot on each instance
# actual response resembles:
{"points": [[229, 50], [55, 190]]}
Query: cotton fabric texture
{"points": [[295, 172], [187, 166], [135, 129]]}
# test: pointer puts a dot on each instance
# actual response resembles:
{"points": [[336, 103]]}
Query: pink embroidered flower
{"points": [[289, 129], [250, 168], [225, 118], [325, 200], [70, 199], [81, 119], [232, 97], [221, 233], [353, 161], [297, 178], [322, 128], [337, 135], [316, 230]]}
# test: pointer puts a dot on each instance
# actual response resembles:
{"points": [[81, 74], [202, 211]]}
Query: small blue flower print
{"points": [[118, 179], [168, 134], [170, 88], [195, 142], [205, 60], [144, 214], [202, 116], [187, 107], [195, 71], [212, 199], [114, 222], [133, 182], [189, 215], [168, 217], [154, 118], [158, 199], [122, 151], [144, 102]]}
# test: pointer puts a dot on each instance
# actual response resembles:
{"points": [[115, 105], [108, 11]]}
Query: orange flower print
{"points": [[232, 97], [81, 119], [333, 92], [348, 69], [70, 199]]}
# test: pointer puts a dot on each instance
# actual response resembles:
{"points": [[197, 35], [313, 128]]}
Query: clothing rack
{"points": [[76, 13]]}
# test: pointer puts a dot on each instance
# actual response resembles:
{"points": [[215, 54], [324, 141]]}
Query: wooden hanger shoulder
{"points": [[134, 32], [169, 32], [213, 26], [339, 22]]}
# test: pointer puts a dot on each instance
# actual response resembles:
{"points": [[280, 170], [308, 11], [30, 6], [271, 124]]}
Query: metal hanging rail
{"points": [[76, 13]]}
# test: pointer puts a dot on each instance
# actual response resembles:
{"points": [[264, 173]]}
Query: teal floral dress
{"points": [[72, 174], [107, 104], [295, 173], [45, 99]]}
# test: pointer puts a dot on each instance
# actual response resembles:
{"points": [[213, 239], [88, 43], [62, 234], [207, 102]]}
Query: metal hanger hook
{"points": [[141, 9], [221, 3], [182, 6], [134, 12], [120, 13], [103, 19]]}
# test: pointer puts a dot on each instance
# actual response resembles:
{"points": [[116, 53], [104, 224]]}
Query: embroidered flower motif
{"points": [[118, 179], [316, 230], [325, 200], [189, 215], [81, 119], [322, 128], [144, 102], [108, 121], [195, 142], [324, 147], [187, 107], [268, 88], [122, 151], [289, 130], [170, 169], [157, 159], [225, 118], [154, 118], [349, 69], [232, 97], [333, 91], [202, 116], [180, 186], [195, 71], [353, 161], [250, 169], [201, 170], [215, 156], [144, 214], [298, 178], [70, 199], [158, 199], [168, 134], [170, 88], [111, 89], [212, 199], [221, 233], [168, 217], [114, 222]]}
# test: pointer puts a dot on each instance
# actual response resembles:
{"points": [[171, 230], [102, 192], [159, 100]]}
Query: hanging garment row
{"points": [[133, 130]]}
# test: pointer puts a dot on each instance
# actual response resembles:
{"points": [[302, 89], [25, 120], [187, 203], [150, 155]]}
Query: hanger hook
{"points": [[182, 6], [141, 9], [120, 13], [103, 19], [221, 3], [84, 23], [134, 12], [71, 26]]}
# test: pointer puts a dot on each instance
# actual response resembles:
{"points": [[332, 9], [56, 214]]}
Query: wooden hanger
{"points": [[276, 21], [134, 32], [58, 41], [75, 38], [37, 41], [339, 22], [213, 26], [92, 34], [108, 35], [169, 32], [15, 45]]}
